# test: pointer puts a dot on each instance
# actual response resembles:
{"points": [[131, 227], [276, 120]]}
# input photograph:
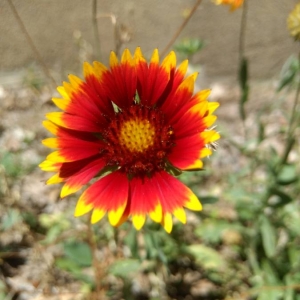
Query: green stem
{"points": [[93, 246], [296, 101], [243, 66], [293, 123]]}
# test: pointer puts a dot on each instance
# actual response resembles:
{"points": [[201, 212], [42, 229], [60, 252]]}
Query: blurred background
{"points": [[244, 244], [63, 32]]}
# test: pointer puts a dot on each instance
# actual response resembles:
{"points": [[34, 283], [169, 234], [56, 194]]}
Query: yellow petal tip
{"points": [[97, 215], [179, 213], [156, 214], [193, 203], [167, 222], [82, 207], [138, 221], [114, 216]]}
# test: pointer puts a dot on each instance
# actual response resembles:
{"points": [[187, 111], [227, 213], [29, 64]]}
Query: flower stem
{"points": [[242, 31], [31, 43], [296, 102], [293, 122], [96, 267], [243, 67], [96, 30], [181, 27]]}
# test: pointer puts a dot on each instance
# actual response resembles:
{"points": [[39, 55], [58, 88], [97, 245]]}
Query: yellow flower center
{"points": [[137, 135]]}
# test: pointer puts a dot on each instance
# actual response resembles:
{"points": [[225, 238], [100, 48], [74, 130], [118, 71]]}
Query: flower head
{"points": [[293, 22], [132, 125], [234, 4]]}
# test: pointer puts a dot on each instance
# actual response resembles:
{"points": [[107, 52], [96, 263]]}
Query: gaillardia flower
{"points": [[234, 4], [293, 22], [132, 126]]}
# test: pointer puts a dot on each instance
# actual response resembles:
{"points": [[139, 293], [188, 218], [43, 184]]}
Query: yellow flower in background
{"points": [[234, 4], [293, 22]]}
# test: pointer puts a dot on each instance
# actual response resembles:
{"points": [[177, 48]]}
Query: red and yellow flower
{"points": [[234, 4], [132, 126]]}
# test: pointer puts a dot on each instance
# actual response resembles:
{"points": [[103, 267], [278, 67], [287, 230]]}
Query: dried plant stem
{"points": [[181, 27], [96, 30], [95, 262], [31, 43], [118, 42]]}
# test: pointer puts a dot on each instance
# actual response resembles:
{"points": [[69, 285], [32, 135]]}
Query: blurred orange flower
{"points": [[234, 4], [293, 22]]}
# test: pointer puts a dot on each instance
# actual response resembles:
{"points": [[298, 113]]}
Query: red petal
{"points": [[80, 124], [69, 169], [143, 199], [120, 82], [189, 124], [74, 149], [152, 80], [186, 151], [70, 133], [182, 92], [82, 177], [108, 193], [171, 192]]}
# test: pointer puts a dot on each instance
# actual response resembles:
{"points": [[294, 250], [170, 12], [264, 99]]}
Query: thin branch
{"points": [[96, 30], [179, 30], [38, 57], [242, 31]]}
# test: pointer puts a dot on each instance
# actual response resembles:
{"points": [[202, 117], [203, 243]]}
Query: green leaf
{"points": [[269, 274], [289, 293], [131, 242], [12, 164], [287, 175], [211, 231], [243, 79], [3, 291], [288, 72], [52, 234], [67, 265], [282, 198], [209, 199], [12, 218], [271, 279], [293, 255], [268, 288], [207, 257], [125, 268], [79, 252], [72, 267], [268, 236], [243, 73], [261, 132], [149, 246], [188, 47]]}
